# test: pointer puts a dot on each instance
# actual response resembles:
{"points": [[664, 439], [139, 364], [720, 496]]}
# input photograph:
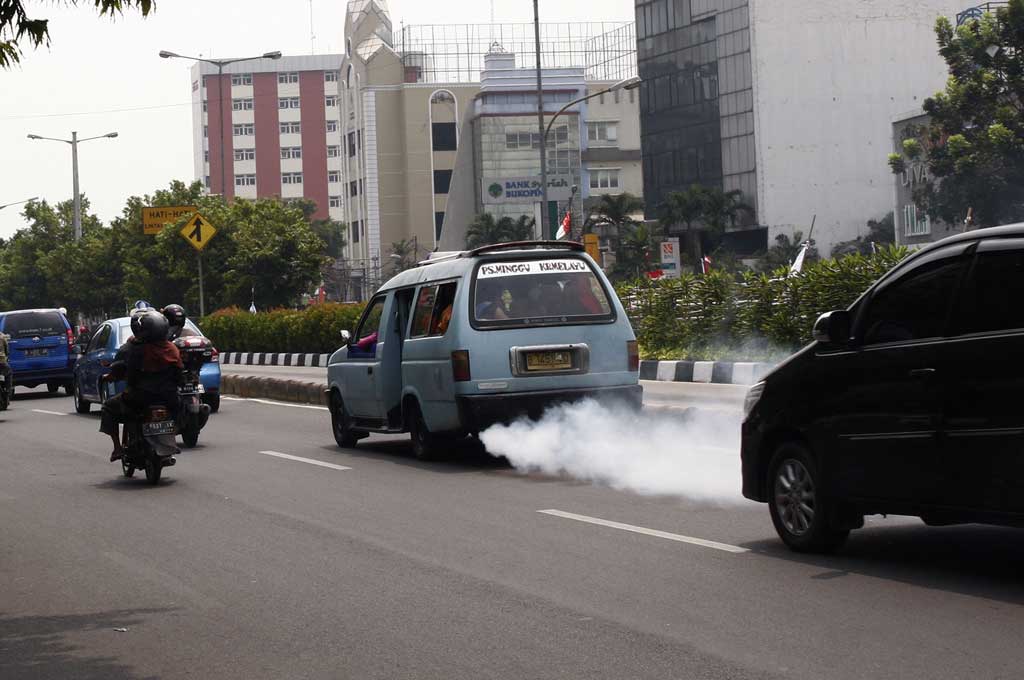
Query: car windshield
{"points": [[527, 292], [32, 324]]}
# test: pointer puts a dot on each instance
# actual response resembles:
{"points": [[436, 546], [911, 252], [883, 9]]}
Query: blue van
{"points": [[470, 339], [40, 347]]}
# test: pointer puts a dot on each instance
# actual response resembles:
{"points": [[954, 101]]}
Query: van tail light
{"points": [[634, 355], [214, 356], [460, 365]]}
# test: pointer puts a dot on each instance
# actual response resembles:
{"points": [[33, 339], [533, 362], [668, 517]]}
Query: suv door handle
{"points": [[922, 372]]}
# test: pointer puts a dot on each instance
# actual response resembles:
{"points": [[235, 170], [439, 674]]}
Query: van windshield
{"points": [[516, 293]]}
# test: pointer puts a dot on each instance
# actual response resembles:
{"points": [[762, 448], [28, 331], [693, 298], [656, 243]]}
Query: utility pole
{"points": [[544, 221]]}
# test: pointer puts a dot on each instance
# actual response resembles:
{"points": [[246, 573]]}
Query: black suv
{"points": [[909, 403]]}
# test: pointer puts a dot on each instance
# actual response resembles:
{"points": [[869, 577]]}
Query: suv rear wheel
{"points": [[799, 507]]}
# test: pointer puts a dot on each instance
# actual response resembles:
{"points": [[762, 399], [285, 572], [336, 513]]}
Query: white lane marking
{"points": [[649, 532], [269, 402], [49, 413], [286, 456]]}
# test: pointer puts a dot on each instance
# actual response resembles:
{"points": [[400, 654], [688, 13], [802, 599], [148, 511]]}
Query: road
{"points": [[364, 563]]}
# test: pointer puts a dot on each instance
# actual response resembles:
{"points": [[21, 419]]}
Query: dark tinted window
{"points": [[442, 181], [444, 137], [993, 295], [438, 223], [914, 306], [99, 341], [31, 324]]}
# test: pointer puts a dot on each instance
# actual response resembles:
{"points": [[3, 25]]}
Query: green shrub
{"points": [[755, 317], [314, 330]]}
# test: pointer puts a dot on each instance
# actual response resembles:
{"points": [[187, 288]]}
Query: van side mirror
{"points": [[833, 328], [346, 336]]}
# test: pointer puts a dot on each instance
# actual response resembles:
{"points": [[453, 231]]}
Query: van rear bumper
{"points": [[478, 412]]}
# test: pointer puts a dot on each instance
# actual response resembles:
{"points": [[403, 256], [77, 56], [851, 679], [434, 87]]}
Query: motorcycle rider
{"points": [[6, 375], [175, 319], [151, 365]]}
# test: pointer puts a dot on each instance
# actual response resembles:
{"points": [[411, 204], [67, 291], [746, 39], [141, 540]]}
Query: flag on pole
{"points": [[798, 263], [563, 229], [705, 264]]}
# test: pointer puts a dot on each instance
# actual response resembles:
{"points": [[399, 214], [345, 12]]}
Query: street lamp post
{"points": [[626, 84], [74, 142], [8, 205], [220, 64]]}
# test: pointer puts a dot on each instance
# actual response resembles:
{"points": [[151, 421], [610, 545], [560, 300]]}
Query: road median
{"points": [[279, 389]]}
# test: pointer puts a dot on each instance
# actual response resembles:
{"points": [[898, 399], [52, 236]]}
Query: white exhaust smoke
{"points": [[692, 454]]}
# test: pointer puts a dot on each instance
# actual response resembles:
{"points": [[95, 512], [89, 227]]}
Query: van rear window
{"points": [[512, 294], [31, 324]]}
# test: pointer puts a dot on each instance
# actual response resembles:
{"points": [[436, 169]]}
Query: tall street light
{"points": [[8, 205], [220, 64], [74, 141], [540, 123], [626, 84]]}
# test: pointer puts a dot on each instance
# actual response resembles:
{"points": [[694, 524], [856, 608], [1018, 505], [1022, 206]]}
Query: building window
{"points": [[243, 129], [291, 128], [559, 159], [245, 180], [438, 223], [355, 231], [241, 79], [334, 201], [206, 131], [206, 155], [204, 105], [330, 76], [444, 136], [602, 131], [913, 224], [351, 144], [204, 81], [288, 152], [245, 154], [604, 179], [331, 100], [286, 78], [353, 188], [206, 181], [531, 140], [288, 103], [291, 178], [241, 104], [332, 126], [442, 181], [334, 176], [333, 151]]}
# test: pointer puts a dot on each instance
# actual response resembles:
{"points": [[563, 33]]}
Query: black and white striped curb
{"points": [[721, 372], [273, 359]]}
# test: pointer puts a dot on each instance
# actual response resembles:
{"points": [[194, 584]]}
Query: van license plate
{"points": [[548, 361], [36, 352], [159, 427]]}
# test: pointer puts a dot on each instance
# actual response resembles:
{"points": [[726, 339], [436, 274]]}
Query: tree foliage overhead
{"points": [[880, 233], [18, 25], [974, 146]]}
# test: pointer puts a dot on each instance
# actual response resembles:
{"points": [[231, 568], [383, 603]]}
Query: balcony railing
{"points": [[977, 11]]}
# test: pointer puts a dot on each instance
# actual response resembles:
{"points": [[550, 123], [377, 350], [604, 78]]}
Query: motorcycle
{"points": [[6, 375], [192, 412], [149, 444]]}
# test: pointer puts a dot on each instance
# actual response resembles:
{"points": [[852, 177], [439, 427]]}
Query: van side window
{"points": [[365, 345], [423, 312], [991, 298], [914, 307], [443, 308]]}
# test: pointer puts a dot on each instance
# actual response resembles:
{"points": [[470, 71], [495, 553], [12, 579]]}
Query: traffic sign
{"points": [[154, 218], [198, 231]]}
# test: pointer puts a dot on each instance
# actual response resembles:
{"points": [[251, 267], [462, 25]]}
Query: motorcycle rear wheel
{"points": [[153, 470], [190, 436]]}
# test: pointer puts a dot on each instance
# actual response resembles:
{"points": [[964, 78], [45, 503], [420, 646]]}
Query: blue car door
{"points": [[95, 353]]}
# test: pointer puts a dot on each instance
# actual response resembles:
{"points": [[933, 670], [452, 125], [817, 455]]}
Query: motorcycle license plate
{"points": [[159, 427], [198, 389]]}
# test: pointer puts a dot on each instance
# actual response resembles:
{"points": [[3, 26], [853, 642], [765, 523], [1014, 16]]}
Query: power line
{"points": [[91, 113]]}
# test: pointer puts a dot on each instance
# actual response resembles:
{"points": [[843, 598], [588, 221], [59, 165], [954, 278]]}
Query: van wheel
{"points": [[799, 507], [341, 424], [424, 443]]}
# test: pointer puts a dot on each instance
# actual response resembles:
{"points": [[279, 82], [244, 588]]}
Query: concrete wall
{"points": [[829, 79]]}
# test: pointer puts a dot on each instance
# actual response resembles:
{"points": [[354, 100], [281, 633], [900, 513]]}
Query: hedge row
{"points": [[757, 317], [313, 330]]}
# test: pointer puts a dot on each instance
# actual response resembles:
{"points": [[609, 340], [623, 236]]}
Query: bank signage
{"points": [[498, 190]]}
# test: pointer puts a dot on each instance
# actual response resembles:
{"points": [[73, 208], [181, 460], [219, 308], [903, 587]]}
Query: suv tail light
{"points": [[634, 355], [71, 337], [460, 365]]}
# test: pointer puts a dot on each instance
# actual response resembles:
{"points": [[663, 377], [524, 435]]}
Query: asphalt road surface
{"points": [[268, 552]]}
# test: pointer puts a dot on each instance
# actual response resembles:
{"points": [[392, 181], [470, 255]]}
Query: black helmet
{"points": [[175, 315], [136, 316], [152, 326]]}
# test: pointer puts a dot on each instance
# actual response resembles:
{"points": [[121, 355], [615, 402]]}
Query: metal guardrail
{"points": [[977, 11]]}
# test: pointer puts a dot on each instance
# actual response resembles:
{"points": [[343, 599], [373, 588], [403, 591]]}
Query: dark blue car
{"points": [[40, 347], [97, 357]]}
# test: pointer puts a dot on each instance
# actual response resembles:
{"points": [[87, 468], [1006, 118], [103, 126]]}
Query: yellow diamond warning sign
{"points": [[198, 231]]}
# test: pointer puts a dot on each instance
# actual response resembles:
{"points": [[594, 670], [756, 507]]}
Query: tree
{"points": [[880, 232], [785, 251], [686, 208], [974, 142], [15, 24], [614, 212], [403, 254], [485, 230]]}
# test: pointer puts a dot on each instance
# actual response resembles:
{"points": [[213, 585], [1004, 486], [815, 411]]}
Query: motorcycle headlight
{"points": [[753, 396]]}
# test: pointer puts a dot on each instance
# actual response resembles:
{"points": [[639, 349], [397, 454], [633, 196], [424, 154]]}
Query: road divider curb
{"points": [[274, 359], [278, 389], [718, 372]]}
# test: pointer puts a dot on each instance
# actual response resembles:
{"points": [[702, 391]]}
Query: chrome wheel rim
{"points": [[795, 497]]}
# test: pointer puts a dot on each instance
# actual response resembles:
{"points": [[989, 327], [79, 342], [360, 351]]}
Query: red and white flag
{"points": [[563, 229], [705, 264]]}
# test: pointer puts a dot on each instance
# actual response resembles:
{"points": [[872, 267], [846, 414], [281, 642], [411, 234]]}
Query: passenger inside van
{"points": [[490, 303]]}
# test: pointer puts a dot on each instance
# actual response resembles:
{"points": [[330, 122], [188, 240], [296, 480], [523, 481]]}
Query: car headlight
{"points": [[753, 396]]}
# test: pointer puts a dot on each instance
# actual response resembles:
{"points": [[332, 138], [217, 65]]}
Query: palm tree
{"points": [[686, 208], [403, 254], [616, 212], [723, 208], [519, 229], [485, 230]]}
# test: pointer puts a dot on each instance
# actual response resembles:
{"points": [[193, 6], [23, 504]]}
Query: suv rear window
{"points": [[31, 324], [517, 293]]}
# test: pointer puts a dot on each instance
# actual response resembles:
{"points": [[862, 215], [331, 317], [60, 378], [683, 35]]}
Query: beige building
{"points": [[405, 96]]}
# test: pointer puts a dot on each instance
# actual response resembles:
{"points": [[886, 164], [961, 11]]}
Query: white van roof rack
{"points": [[522, 245], [440, 256]]}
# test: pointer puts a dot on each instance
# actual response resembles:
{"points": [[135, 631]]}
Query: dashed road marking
{"points": [[648, 532], [286, 456], [49, 413], [276, 403]]}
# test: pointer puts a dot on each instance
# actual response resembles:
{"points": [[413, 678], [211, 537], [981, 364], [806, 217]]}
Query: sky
{"points": [[96, 68]]}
